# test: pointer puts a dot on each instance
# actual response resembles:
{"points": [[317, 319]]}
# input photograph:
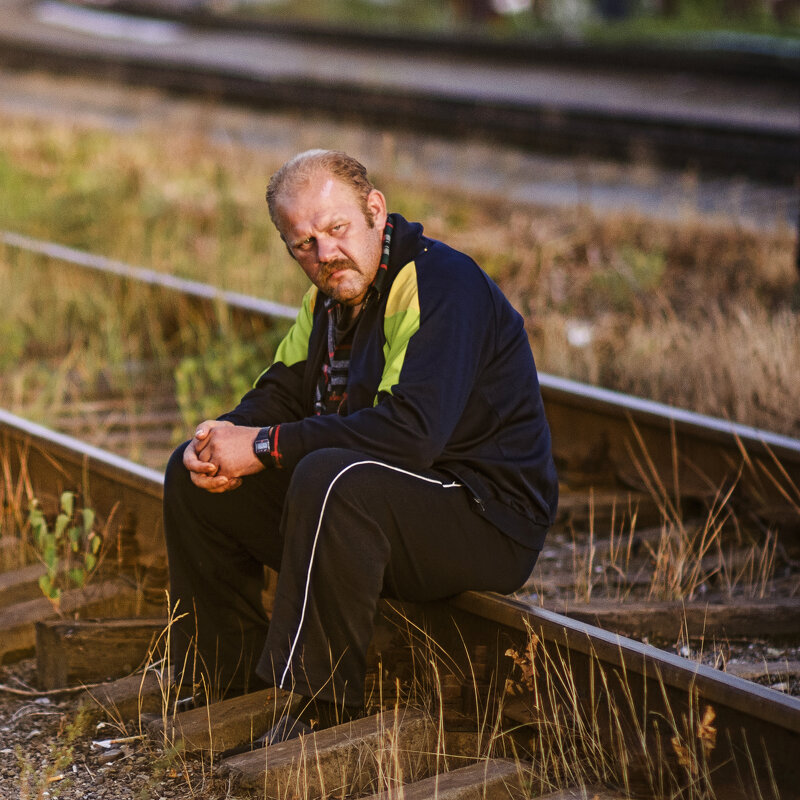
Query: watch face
{"points": [[261, 445]]}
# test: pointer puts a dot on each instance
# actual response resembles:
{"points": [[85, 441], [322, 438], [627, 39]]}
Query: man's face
{"points": [[324, 226]]}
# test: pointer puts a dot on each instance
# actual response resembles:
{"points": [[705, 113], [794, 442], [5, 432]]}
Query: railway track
{"points": [[693, 125], [504, 677], [725, 55], [644, 708]]}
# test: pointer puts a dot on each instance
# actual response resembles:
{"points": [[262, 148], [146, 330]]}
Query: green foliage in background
{"points": [[667, 309], [176, 205], [69, 549], [625, 284], [214, 380]]}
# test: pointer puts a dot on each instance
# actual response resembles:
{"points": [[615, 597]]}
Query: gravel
{"points": [[48, 749]]}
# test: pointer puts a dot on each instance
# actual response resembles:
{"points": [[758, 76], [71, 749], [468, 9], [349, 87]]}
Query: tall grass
{"points": [[78, 342], [698, 314]]}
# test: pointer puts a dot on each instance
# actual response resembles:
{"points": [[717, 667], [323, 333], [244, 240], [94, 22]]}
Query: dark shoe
{"points": [[196, 697], [327, 714], [286, 728]]}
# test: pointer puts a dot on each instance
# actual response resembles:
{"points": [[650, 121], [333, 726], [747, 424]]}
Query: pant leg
{"points": [[217, 545], [355, 528]]}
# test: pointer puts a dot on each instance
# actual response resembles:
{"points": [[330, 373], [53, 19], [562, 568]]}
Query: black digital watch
{"points": [[262, 446]]}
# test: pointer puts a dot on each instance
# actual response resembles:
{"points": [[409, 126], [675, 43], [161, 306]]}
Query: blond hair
{"points": [[299, 170]]}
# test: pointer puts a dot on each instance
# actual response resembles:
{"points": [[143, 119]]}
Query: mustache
{"points": [[340, 263]]}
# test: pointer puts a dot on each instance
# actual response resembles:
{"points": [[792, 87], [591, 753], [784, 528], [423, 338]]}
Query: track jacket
{"points": [[441, 378]]}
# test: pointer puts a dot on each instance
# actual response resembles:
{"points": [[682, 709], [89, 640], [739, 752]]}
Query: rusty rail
{"points": [[607, 436]]}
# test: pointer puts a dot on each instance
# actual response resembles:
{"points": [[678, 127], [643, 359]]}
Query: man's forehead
{"points": [[320, 184], [327, 187], [321, 196]]}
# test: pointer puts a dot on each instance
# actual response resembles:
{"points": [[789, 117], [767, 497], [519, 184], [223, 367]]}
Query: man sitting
{"points": [[397, 447]]}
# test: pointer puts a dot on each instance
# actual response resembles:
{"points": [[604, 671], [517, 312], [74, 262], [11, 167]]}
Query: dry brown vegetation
{"points": [[699, 314]]}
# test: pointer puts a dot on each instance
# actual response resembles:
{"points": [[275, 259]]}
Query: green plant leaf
{"points": [[88, 520], [91, 561], [37, 522], [62, 520], [78, 576], [68, 503], [75, 536], [50, 553], [95, 542], [49, 589]]}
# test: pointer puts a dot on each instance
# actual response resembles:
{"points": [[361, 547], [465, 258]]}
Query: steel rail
{"points": [[583, 418], [616, 676], [748, 149], [148, 277], [768, 58]]}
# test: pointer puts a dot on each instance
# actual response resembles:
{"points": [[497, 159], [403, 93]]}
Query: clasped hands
{"points": [[220, 454]]}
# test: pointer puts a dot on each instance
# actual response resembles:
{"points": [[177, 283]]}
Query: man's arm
{"points": [[444, 338], [277, 394], [221, 451]]}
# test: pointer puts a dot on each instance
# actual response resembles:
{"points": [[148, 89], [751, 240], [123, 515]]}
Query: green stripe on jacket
{"points": [[294, 346], [400, 323]]}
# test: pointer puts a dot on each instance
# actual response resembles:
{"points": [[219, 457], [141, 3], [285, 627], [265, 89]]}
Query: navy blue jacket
{"points": [[441, 378]]}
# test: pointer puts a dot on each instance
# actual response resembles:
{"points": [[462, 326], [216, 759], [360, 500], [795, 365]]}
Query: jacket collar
{"points": [[407, 243]]}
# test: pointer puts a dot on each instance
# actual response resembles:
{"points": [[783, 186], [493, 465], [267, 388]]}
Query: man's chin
{"points": [[346, 295], [348, 300]]}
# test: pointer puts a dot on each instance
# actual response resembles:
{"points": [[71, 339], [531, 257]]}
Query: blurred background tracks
{"points": [[675, 109]]}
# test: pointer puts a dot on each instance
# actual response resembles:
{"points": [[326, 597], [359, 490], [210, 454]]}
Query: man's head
{"points": [[331, 218]]}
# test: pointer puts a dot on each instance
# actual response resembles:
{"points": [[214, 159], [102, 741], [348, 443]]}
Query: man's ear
{"points": [[376, 205]]}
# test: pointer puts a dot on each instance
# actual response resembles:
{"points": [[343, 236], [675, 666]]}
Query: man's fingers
{"points": [[203, 428], [194, 464], [215, 484]]}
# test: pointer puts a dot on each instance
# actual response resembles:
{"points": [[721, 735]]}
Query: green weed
{"points": [[69, 548]]}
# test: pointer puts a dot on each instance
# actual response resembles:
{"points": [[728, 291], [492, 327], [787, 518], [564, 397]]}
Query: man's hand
{"points": [[219, 454]]}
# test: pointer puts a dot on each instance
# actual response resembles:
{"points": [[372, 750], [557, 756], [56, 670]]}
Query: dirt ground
{"points": [[57, 747]]}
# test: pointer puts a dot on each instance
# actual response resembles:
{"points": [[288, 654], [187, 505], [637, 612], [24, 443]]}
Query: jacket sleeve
{"points": [[436, 336], [277, 394]]}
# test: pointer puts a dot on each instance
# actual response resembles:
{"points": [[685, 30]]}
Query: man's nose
{"points": [[327, 250]]}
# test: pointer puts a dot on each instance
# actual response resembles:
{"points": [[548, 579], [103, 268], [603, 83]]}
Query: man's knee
{"points": [[328, 474], [176, 476]]}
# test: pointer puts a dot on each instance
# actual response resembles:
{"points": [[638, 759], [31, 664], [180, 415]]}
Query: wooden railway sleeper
{"points": [[401, 752]]}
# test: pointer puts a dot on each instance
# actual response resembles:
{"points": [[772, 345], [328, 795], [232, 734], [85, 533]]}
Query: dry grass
{"points": [[710, 548], [537, 709], [697, 314], [570, 730]]}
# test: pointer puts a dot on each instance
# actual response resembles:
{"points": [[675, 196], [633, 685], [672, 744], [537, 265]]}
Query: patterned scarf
{"points": [[330, 392]]}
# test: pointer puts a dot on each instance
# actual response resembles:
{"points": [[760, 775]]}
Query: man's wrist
{"points": [[263, 446]]}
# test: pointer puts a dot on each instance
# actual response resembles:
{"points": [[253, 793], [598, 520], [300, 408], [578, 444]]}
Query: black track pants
{"points": [[342, 529]]}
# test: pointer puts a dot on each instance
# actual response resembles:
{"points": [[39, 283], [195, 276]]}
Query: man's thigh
{"points": [[442, 545], [439, 544]]}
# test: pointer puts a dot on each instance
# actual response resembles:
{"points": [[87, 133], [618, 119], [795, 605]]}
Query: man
{"points": [[397, 446]]}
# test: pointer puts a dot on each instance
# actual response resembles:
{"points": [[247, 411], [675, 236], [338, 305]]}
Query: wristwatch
{"points": [[262, 447]]}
